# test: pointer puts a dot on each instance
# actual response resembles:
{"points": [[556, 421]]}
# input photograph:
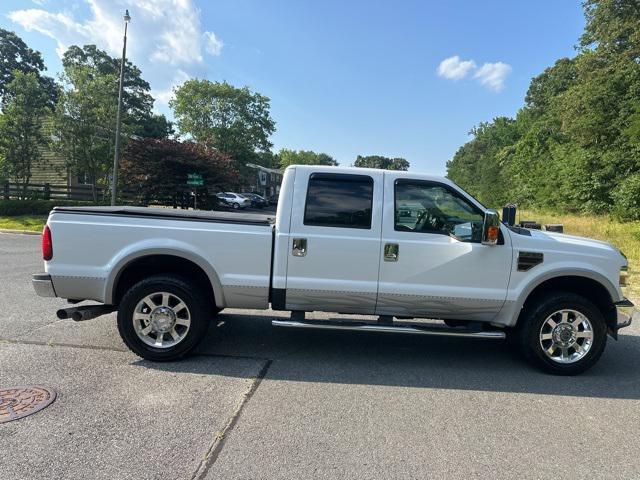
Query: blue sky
{"points": [[402, 78]]}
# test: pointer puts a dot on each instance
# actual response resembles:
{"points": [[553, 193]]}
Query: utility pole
{"points": [[116, 155]]}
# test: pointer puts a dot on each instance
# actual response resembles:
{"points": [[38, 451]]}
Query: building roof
{"points": [[264, 169]]}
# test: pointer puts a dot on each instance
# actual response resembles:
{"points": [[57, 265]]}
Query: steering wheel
{"points": [[430, 219]]}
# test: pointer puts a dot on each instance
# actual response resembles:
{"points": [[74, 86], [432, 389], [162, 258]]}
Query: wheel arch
{"points": [[594, 287], [142, 264]]}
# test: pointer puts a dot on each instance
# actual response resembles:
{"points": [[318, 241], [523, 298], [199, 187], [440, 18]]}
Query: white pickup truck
{"points": [[398, 245]]}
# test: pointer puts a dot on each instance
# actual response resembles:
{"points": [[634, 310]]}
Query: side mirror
{"points": [[490, 228]]}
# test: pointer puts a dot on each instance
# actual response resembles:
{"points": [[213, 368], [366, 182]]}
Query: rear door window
{"points": [[339, 200]]}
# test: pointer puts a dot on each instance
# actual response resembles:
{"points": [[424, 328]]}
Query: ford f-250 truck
{"points": [[356, 241]]}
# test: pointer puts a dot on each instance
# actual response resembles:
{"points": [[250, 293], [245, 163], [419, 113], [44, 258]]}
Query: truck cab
{"points": [[387, 243]]}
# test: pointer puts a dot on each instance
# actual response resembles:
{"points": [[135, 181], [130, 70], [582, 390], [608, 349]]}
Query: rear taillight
{"points": [[47, 244]]}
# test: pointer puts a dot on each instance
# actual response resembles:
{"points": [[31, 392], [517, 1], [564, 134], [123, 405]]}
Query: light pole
{"points": [[116, 155]]}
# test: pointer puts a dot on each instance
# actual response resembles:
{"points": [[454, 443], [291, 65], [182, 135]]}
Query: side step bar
{"points": [[369, 327]]}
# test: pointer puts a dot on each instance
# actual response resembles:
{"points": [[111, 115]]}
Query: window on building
{"points": [[339, 200]]}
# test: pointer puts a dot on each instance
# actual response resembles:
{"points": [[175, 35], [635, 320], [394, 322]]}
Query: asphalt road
{"points": [[259, 402]]}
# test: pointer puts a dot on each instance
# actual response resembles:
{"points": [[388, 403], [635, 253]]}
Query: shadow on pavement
{"points": [[413, 361]]}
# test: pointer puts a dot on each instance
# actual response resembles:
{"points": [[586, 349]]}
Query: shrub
{"points": [[13, 208], [626, 198], [157, 169]]}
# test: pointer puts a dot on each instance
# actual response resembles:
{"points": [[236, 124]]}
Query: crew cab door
{"points": [[334, 241], [434, 264]]}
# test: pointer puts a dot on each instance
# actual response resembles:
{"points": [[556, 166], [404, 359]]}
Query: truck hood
{"points": [[576, 245]]}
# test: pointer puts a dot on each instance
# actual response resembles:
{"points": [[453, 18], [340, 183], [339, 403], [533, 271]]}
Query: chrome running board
{"points": [[369, 327]]}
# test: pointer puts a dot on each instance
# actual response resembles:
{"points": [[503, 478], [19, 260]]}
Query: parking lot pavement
{"points": [[22, 312], [323, 405], [117, 416], [351, 406]]}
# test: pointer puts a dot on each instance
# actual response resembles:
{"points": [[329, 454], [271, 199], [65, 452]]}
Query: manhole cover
{"points": [[18, 402]]}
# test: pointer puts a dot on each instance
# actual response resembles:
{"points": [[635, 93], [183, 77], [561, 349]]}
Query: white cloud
{"points": [[212, 43], [490, 75], [166, 31], [165, 37], [455, 69], [55, 25], [493, 75]]}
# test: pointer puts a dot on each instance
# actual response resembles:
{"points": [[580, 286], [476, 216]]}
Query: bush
{"points": [[13, 208], [626, 198]]}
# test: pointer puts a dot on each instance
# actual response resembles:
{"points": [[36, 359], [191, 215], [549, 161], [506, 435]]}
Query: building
{"points": [[52, 167], [267, 180]]}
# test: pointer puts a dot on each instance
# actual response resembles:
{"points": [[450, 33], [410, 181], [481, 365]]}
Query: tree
{"points": [[85, 126], [478, 164], [86, 114], [155, 126], [137, 102], [576, 143], [234, 121], [551, 83], [304, 157], [267, 159], [158, 168], [613, 26], [21, 136], [16, 56], [384, 163]]}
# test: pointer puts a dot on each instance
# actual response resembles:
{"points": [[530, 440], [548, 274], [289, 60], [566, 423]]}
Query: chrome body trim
{"points": [[43, 285], [331, 301], [627, 313], [442, 331]]}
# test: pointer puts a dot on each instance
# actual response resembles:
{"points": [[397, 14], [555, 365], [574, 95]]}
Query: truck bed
{"points": [[92, 245], [173, 214]]}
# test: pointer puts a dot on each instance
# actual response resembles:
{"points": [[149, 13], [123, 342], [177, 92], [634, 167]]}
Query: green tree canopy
{"points": [[85, 124], [21, 137], [234, 121], [288, 157], [577, 138], [16, 56], [613, 26], [137, 101], [378, 161], [155, 126]]}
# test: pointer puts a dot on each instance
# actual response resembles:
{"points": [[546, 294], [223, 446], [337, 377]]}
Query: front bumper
{"points": [[627, 313], [43, 285]]}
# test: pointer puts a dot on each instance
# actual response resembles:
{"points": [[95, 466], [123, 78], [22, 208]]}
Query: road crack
{"points": [[220, 437]]}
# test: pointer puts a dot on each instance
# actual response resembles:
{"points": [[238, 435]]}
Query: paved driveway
{"points": [[258, 402]]}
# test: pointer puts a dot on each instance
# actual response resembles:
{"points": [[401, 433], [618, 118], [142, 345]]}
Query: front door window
{"points": [[427, 207]]}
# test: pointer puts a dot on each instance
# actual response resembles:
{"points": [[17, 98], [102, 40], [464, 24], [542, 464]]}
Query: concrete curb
{"points": [[20, 232]]}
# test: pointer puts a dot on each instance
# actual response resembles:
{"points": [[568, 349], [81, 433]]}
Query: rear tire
{"points": [[164, 317], [561, 333]]}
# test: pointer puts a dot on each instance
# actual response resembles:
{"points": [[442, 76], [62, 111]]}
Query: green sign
{"points": [[195, 179]]}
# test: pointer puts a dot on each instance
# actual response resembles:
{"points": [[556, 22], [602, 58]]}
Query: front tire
{"points": [[236, 206], [562, 333], [163, 317]]}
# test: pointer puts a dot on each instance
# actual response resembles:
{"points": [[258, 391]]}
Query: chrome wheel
{"points": [[566, 336], [161, 320]]}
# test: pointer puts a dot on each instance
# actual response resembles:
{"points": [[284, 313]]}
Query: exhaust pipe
{"points": [[64, 313], [84, 312]]}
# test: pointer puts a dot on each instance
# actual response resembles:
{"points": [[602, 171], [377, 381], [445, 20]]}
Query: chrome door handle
{"points": [[299, 247], [391, 252]]}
